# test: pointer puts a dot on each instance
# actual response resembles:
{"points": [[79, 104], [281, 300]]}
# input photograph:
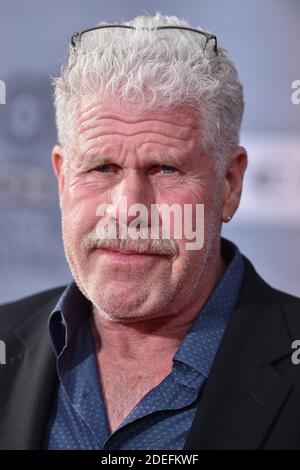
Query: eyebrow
{"points": [[153, 159], [168, 159], [94, 158]]}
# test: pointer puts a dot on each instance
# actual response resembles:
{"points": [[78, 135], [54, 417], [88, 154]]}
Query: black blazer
{"points": [[251, 399]]}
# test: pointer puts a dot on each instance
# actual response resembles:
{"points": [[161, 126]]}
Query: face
{"points": [[141, 158]]}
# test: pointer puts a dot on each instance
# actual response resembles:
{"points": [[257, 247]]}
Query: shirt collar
{"points": [[67, 316]]}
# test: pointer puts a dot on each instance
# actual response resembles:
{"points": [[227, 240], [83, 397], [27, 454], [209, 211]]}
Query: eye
{"points": [[168, 170], [105, 168]]}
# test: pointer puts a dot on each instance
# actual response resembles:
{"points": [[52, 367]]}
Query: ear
{"points": [[57, 164], [233, 183]]}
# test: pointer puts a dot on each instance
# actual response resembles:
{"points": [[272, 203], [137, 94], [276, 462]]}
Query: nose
{"points": [[132, 198]]}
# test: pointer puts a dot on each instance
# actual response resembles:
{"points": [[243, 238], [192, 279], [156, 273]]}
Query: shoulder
{"points": [[290, 306], [14, 313], [257, 291]]}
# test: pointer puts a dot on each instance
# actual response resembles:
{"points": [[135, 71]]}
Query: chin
{"points": [[131, 309]]}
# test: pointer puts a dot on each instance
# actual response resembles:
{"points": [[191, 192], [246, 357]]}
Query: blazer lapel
{"points": [[244, 392], [27, 384]]}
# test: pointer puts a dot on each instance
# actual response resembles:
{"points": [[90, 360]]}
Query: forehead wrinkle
{"points": [[84, 122], [94, 155], [154, 125], [97, 129], [85, 146], [93, 111], [97, 138], [179, 154], [96, 134]]}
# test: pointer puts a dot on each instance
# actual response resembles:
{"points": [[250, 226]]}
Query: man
{"points": [[154, 345]]}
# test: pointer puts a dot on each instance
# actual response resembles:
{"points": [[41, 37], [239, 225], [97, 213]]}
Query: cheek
{"points": [[195, 189], [79, 214], [186, 199]]}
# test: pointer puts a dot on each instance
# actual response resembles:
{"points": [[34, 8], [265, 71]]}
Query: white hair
{"points": [[156, 69]]}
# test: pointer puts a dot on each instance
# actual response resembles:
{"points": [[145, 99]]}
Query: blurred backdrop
{"points": [[263, 39]]}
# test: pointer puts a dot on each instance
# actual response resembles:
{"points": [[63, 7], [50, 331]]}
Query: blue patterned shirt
{"points": [[163, 417]]}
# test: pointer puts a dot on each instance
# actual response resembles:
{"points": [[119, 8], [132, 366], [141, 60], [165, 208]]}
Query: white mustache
{"points": [[109, 237]]}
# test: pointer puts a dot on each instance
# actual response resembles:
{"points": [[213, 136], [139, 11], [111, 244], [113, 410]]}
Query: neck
{"points": [[145, 341]]}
